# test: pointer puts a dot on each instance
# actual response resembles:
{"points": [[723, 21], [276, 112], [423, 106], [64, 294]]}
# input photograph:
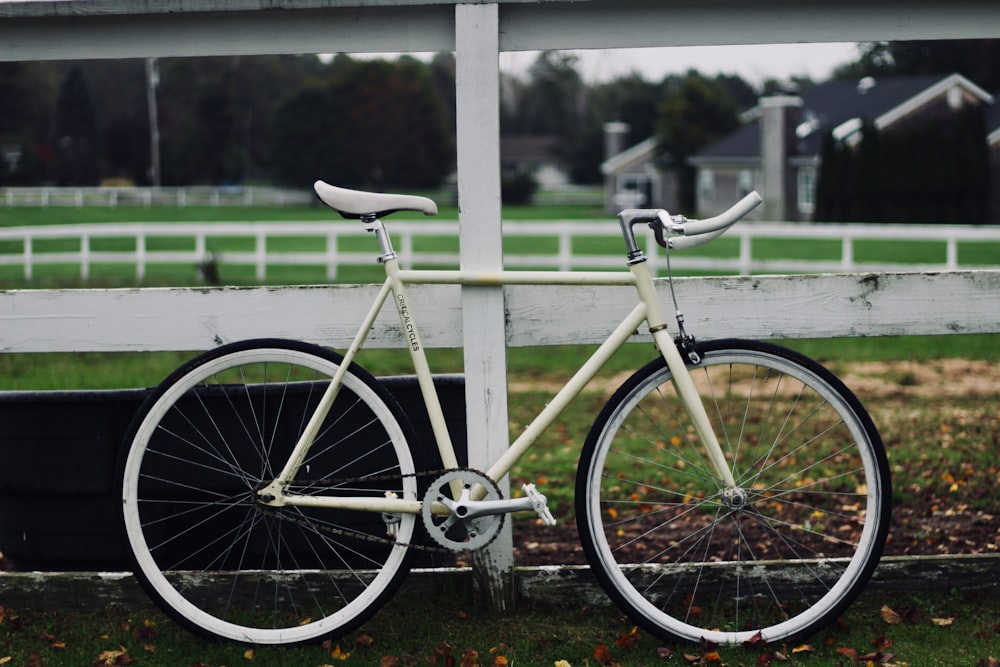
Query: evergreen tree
{"points": [[77, 158]]}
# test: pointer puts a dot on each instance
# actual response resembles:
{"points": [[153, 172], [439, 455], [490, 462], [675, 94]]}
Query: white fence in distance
{"points": [[329, 253], [115, 196]]}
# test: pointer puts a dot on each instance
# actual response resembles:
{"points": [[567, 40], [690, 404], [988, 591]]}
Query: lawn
{"points": [[447, 627]]}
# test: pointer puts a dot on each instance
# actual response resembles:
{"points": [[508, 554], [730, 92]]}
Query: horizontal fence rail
{"points": [[199, 318], [114, 196], [136, 245]]}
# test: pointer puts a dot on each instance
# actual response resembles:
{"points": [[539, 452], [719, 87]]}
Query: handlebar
{"points": [[686, 233]]}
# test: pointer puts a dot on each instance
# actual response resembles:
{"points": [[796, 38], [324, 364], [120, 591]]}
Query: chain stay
{"points": [[362, 536]]}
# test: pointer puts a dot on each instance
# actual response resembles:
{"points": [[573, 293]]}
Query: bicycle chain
{"points": [[267, 511]]}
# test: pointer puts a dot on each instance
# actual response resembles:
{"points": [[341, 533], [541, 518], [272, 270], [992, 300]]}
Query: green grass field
{"points": [[67, 275]]}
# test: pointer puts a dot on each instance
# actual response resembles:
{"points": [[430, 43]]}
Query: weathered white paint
{"points": [[136, 28], [756, 307], [477, 81]]}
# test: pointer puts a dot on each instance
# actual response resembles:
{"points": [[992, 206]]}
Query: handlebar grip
{"points": [[723, 220]]}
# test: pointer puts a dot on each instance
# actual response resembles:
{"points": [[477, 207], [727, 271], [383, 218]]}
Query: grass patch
{"points": [[929, 629]]}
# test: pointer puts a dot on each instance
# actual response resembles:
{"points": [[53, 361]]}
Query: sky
{"points": [[754, 63]]}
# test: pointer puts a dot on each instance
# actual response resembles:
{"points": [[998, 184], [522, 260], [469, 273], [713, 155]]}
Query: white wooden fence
{"points": [[799, 306], [327, 240], [114, 196]]}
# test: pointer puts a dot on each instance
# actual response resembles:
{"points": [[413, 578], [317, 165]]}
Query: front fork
{"points": [[680, 376]]}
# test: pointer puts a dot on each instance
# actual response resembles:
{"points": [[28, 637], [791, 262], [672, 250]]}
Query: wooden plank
{"points": [[755, 307], [550, 584], [480, 248], [108, 29]]}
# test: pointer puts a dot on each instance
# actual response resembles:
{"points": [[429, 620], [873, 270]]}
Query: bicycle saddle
{"points": [[355, 203]]}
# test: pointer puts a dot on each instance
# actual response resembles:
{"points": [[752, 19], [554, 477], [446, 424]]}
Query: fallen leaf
{"points": [[113, 658], [470, 658], [601, 653], [890, 616], [337, 654], [664, 652], [944, 622], [388, 661], [561, 663], [803, 648], [366, 641], [248, 654], [628, 639], [848, 652]]}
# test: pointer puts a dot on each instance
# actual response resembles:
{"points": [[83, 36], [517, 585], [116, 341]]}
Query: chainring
{"points": [[450, 530]]}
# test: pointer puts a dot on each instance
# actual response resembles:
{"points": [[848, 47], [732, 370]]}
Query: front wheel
{"points": [[228, 567], [779, 556]]}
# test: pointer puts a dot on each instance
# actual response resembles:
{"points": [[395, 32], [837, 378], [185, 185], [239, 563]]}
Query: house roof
{"points": [[641, 152], [527, 148], [993, 121], [841, 105]]}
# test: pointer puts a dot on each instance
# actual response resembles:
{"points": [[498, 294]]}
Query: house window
{"points": [[745, 182], [634, 191], [706, 185], [807, 190]]}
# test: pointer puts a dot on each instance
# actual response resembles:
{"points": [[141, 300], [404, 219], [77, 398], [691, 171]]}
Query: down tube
{"points": [[571, 390]]}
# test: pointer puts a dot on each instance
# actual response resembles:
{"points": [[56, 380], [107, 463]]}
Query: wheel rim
{"points": [[699, 562], [277, 577]]}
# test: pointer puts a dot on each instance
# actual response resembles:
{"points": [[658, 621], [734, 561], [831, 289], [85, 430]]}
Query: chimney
{"points": [[615, 134], [776, 142]]}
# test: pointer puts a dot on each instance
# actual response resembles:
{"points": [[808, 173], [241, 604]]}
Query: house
{"points": [[632, 176], [993, 141], [777, 149], [535, 155]]}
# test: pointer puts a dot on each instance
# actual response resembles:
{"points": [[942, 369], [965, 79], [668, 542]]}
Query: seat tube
{"points": [[413, 342], [681, 378]]}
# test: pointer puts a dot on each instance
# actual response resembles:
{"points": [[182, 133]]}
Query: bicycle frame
{"points": [[648, 309]]}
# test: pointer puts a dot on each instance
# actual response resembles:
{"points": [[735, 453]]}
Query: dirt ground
{"points": [[922, 526]]}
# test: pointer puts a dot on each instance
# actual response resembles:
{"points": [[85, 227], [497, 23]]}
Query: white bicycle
{"points": [[273, 492]]}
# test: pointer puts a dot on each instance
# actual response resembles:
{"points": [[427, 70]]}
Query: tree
{"points": [[936, 171], [77, 158], [695, 112], [975, 59], [629, 99], [28, 91], [370, 124]]}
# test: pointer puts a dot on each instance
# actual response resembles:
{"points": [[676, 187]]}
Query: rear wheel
{"points": [[228, 567], [779, 556]]}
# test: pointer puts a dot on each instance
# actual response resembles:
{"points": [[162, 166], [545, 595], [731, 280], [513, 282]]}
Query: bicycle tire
{"points": [[214, 559], [778, 560]]}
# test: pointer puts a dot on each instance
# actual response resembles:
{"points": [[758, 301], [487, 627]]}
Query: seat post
{"points": [[374, 224]]}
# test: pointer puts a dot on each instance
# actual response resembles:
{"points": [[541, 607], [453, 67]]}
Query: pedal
{"points": [[539, 503], [391, 520]]}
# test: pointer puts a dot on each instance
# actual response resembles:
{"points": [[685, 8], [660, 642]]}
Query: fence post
{"points": [[260, 250], [140, 256], [847, 252], [331, 257], [85, 256], [746, 254], [477, 92], [28, 256]]}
